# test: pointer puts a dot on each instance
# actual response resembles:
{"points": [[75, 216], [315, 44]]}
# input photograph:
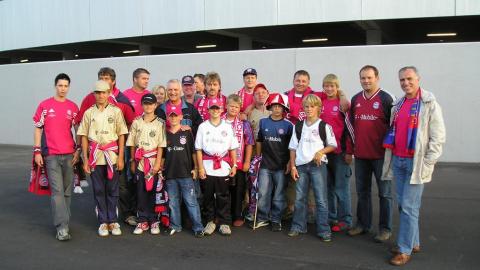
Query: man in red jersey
{"points": [[141, 78], [369, 115], [55, 149]]}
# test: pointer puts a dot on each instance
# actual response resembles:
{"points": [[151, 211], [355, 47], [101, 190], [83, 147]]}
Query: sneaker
{"points": [[340, 227], [293, 233], [115, 228], [276, 227], [225, 230], [155, 228], [77, 190], [260, 224], [238, 223], [356, 231], [249, 217], [103, 230], [141, 227], [326, 238], [382, 236], [199, 234], [169, 231], [210, 228], [131, 220], [63, 235]]}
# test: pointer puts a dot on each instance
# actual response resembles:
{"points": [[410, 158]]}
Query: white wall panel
{"points": [[65, 21], [467, 7], [165, 16], [115, 18], [450, 71], [221, 14], [23, 28], [381, 9], [311, 11]]}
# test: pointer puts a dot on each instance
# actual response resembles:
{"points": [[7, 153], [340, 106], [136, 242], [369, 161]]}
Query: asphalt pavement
{"points": [[449, 233]]}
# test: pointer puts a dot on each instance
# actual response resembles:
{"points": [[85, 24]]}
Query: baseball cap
{"points": [[187, 80], [215, 102], [149, 99], [249, 71], [173, 109], [258, 86], [101, 86]]}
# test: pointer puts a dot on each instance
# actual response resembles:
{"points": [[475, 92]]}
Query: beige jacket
{"points": [[430, 139]]}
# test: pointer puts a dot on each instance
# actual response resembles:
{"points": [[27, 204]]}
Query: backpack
{"points": [[321, 131]]}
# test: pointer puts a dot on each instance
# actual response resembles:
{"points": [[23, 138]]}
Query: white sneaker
{"points": [[141, 227], [115, 228], [155, 228], [210, 228], [225, 230], [103, 230], [83, 183]]}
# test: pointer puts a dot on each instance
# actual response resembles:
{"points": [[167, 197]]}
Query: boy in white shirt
{"points": [[217, 161], [310, 143]]}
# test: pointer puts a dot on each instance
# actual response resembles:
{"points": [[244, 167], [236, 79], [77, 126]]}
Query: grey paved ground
{"points": [[450, 233]]}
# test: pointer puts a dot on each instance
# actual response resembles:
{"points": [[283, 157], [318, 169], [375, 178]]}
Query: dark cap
{"points": [[187, 80], [149, 99], [249, 71]]}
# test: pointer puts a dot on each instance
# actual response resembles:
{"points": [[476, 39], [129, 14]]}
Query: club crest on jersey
{"points": [[224, 133], [69, 112], [152, 133], [358, 105], [183, 139], [110, 120], [376, 105], [281, 131], [335, 108], [315, 132]]}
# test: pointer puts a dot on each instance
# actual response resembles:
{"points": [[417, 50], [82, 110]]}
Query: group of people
{"points": [[256, 156]]}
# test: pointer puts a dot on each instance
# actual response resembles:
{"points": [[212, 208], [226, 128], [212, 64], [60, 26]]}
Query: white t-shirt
{"points": [[215, 140], [310, 143]]}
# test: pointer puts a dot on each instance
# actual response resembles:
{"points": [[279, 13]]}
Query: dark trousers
{"points": [[128, 190], [216, 199], [145, 199], [237, 191], [105, 193], [364, 168]]}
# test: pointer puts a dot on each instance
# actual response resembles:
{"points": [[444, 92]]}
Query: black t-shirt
{"points": [[178, 155], [275, 137]]}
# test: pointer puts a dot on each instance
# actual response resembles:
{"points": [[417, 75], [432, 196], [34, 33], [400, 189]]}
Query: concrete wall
{"points": [[33, 23], [451, 71]]}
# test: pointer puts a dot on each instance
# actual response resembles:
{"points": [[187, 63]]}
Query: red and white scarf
{"points": [[140, 154], [95, 148]]}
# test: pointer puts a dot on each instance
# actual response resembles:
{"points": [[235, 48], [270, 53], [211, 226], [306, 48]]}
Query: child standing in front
{"points": [[102, 131], [180, 172], [274, 134], [312, 140], [243, 134], [146, 141], [217, 162]]}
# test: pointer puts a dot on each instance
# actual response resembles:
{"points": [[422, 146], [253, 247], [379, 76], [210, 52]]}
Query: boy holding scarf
{"points": [[103, 132], [146, 142]]}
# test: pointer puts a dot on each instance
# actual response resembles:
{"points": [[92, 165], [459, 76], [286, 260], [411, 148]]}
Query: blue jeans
{"points": [[186, 188], [271, 182], [339, 197], [60, 174], [409, 200], [364, 168], [315, 177]]}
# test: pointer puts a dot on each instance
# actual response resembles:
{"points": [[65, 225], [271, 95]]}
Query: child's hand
{"points": [[318, 158], [156, 169], [294, 173], [39, 160], [201, 173], [233, 171], [86, 168], [120, 164], [246, 166], [194, 174]]}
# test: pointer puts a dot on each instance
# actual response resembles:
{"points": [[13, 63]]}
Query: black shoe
{"points": [[276, 227], [199, 234], [169, 231]]}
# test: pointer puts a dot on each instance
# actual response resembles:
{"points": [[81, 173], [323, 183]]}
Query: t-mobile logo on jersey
{"points": [[368, 117]]}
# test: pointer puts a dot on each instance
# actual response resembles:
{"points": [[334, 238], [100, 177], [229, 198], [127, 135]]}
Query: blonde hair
{"points": [[332, 78], [211, 77], [235, 99], [157, 88], [312, 100]]}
